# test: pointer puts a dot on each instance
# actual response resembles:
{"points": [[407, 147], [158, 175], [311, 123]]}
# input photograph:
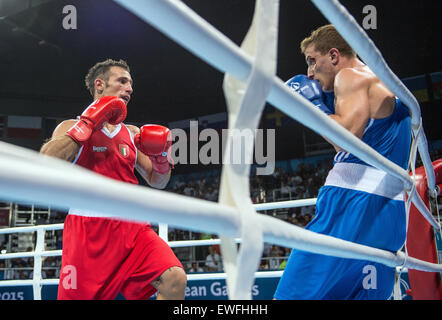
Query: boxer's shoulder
{"points": [[133, 129]]}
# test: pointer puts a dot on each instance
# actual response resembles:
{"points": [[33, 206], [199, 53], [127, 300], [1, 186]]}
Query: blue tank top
{"points": [[391, 137]]}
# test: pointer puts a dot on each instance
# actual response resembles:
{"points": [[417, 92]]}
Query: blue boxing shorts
{"points": [[360, 204]]}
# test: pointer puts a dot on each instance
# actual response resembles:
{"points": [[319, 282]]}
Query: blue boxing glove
{"points": [[312, 91]]}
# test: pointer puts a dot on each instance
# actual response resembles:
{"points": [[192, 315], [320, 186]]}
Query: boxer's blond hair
{"points": [[101, 70], [326, 37]]}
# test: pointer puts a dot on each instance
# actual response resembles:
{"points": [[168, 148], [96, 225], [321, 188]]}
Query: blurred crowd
{"points": [[301, 182], [284, 184]]}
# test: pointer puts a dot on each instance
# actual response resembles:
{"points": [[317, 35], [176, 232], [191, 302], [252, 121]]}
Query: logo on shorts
{"points": [[124, 150]]}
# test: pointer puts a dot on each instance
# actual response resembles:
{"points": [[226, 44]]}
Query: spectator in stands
{"points": [[285, 189], [196, 268], [275, 255], [307, 210], [213, 261], [2, 270], [21, 272], [264, 264], [50, 265]]}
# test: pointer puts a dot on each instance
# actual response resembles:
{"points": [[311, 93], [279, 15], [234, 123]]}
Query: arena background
{"points": [[43, 67]]}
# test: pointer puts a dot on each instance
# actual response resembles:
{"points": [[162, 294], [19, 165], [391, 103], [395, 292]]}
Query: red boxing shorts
{"points": [[103, 257]]}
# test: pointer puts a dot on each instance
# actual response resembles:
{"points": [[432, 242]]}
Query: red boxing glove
{"points": [[107, 109], [155, 141]]}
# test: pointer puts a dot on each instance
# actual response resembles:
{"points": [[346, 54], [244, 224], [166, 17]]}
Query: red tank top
{"points": [[112, 154]]}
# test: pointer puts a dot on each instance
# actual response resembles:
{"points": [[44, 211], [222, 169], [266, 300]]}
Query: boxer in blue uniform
{"points": [[358, 202], [311, 90]]}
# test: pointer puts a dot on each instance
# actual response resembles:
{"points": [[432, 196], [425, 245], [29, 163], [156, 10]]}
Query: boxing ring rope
{"points": [[285, 204], [378, 255], [28, 176], [37, 282]]}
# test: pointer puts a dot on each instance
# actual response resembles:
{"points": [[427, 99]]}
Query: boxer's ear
{"points": [[99, 85], [334, 55]]}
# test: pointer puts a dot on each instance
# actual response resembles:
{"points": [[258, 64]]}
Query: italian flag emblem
{"points": [[124, 150]]}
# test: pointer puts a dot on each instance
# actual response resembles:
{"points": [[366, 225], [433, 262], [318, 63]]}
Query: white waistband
{"points": [[360, 177]]}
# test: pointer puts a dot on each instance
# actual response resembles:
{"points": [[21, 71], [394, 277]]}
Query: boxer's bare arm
{"points": [[351, 105], [352, 109], [61, 145], [144, 167]]}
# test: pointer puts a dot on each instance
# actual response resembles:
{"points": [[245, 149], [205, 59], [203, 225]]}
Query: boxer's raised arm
{"points": [[70, 135]]}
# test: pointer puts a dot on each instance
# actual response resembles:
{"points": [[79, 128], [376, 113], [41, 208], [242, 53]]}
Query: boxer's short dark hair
{"points": [[326, 37], [101, 70]]}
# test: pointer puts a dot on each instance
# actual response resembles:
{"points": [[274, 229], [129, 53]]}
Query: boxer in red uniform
{"points": [[103, 256]]}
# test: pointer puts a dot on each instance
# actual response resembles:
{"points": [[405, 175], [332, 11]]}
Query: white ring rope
{"points": [[28, 176], [285, 204]]}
